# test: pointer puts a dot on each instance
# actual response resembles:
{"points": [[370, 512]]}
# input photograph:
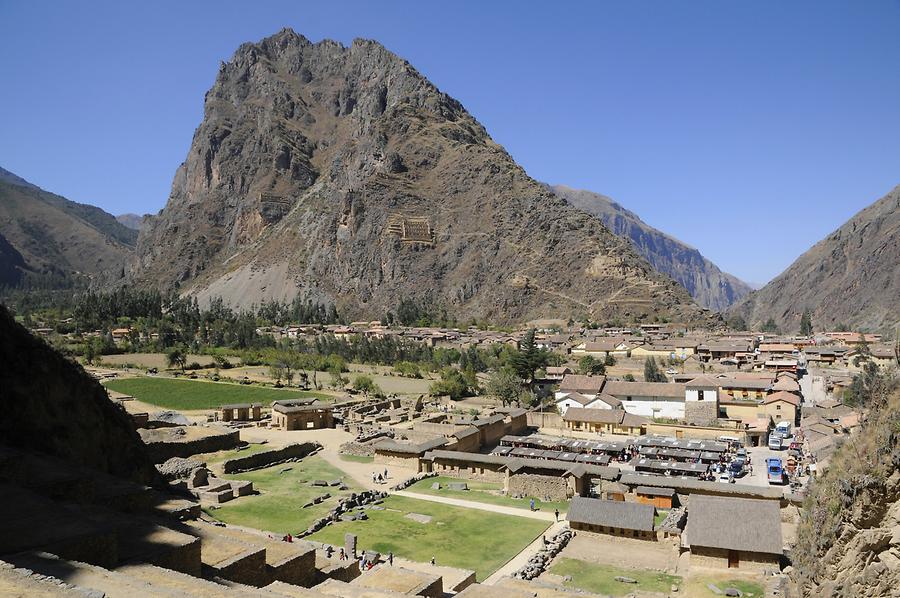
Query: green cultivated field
{"points": [[455, 536], [600, 579], [187, 395], [279, 506], [484, 492]]}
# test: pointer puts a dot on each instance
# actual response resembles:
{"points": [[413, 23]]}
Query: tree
{"points": [[337, 380], [651, 371], [610, 360], [452, 383], [737, 322], [366, 385], [871, 387], [528, 358], [176, 357], [628, 378], [806, 327], [589, 366], [770, 326], [90, 353], [505, 385]]}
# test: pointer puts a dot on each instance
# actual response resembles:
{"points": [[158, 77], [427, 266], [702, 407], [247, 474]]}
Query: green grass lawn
{"points": [[697, 586], [279, 506], [357, 458], [598, 578], [484, 492], [660, 517], [186, 395], [456, 536]]}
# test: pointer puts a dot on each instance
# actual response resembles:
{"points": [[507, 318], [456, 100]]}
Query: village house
{"points": [[302, 414], [589, 386], [781, 406], [616, 518], [730, 532], [604, 348], [661, 498], [603, 421], [649, 399], [574, 399], [557, 372]]}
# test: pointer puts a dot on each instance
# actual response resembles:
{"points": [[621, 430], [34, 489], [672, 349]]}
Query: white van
{"points": [[775, 441], [783, 428]]}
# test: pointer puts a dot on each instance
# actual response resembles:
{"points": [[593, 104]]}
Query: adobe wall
{"points": [[410, 460], [536, 419], [717, 558], [273, 457], [491, 434], [540, 486]]}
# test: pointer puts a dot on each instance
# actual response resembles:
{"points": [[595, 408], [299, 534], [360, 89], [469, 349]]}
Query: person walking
{"points": [[532, 504], [391, 559], [556, 514], [432, 560]]}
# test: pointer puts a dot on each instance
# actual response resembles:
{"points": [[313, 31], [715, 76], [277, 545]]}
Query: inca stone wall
{"points": [[540, 486]]}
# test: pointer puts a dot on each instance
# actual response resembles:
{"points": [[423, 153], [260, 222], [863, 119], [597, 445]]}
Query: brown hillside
{"points": [[340, 174]]}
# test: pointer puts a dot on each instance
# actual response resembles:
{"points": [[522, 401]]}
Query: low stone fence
{"points": [[538, 563], [164, 449], [292, 452], [409, 482], [345, 505]]}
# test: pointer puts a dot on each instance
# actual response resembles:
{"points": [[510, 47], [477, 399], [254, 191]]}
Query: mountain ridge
{"points": [[849, 278], [53, 242], [342, 175], [706, 282]]}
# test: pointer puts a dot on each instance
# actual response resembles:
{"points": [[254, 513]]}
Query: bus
{"points": [[775, 471]]}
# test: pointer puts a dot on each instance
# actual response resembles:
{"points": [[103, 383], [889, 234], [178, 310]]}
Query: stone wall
{"points": [[701, 413], [540, 486], [407, 460], [248, 568], [299, 569], [52, 406], [161, 451], [471, 471], [273, 457]]}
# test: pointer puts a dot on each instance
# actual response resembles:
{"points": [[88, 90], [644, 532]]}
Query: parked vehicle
{"points": [[783, 428], [775, 441], [737, 468], [775, 471], [725, 478]]}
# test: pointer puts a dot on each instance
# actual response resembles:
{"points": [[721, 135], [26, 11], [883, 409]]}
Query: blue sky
{"points": [[747, 129]]}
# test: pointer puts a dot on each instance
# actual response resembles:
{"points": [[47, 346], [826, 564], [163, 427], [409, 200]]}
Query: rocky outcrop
{"points": [[706, 283], [851, 277], [51, 405], [341, 175], [50, 242], [848, 541]]}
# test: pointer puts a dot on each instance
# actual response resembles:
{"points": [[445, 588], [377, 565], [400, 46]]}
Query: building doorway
{"points": [[734, 560]]}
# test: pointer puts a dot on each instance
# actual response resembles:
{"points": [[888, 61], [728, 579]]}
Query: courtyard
{"points": [[455, 536]]}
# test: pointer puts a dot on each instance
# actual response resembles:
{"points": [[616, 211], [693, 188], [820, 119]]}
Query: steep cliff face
{"points": [[707, 284], [51, 405], [848, 542], [49, 241], [340, 174], [851, 277]]}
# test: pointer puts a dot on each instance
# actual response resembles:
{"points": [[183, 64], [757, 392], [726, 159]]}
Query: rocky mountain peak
{"points": [[341, 174]]}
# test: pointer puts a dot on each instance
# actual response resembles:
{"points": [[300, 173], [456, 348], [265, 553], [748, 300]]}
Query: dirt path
{"points": [[470, 504]]}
